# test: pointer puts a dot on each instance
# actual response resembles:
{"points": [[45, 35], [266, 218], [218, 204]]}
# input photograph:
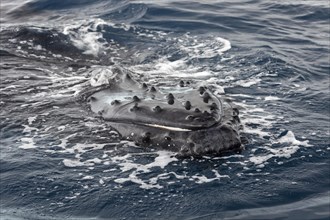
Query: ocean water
{"points": [[270, 58]]}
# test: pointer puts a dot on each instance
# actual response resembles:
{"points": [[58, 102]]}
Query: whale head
{"points": [[192, 121]]}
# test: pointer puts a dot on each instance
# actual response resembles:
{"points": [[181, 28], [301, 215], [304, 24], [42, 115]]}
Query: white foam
{"points": [[82, 148], [61, 128], [100, 76], [32, 119], [87, 178], [64, 141], [27, 143], [226, 44], [101, 181], [204, 47], [286, 152], [9, 87], [94, 160], [291, 139], [271, 98], [251, 114], [242, 95], [133, 178], [200, 179], [264, 120], [70, 197], [73, 163], [258, 121], [213, 82], [283, 152], [165, 69], [38, 47], [260, 159], [191, 47], [86, 36], [248, 82], [257, 131], [28, 129], [164, 158]]}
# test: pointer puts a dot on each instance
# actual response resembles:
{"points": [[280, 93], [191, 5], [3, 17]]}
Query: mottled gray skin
{"points": [[191, 121]]}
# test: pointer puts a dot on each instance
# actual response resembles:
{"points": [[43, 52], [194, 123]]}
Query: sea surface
{"points": [[270, 58]]}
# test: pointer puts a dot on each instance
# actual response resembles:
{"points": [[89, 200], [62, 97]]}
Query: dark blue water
{"points": [[271, 58]]}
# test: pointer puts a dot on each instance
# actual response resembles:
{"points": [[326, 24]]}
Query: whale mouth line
{"points": [[159, 126], [168, 127]]}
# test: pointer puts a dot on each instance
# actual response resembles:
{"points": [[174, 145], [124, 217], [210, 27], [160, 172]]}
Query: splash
{"points": [[86, 36]]}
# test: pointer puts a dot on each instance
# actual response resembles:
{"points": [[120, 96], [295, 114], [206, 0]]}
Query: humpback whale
{"points": [[190, 121]]}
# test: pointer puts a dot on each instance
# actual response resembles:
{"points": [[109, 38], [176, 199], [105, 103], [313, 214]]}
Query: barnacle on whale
{"points": [[191, 121]]}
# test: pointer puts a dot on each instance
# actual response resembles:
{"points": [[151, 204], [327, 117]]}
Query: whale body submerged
{"points": [[190, 121]]}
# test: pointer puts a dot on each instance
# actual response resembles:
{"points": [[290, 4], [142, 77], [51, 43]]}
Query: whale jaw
{"points": [[216, 140]]}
